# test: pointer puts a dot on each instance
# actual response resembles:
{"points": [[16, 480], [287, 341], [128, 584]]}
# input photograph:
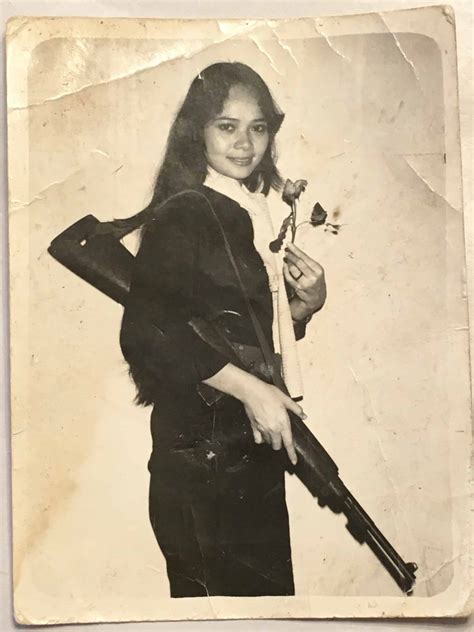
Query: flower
{"points": [[293, 190], [290, 195]]}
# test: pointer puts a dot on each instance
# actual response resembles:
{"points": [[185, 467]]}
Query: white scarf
{"points": [[282, 328]]}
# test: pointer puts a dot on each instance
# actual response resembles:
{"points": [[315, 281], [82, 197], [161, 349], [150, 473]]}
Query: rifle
{"points": [[93, 251]]}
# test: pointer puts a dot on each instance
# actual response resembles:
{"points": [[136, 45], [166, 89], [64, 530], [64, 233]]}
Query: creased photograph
{"points": [[239, 333]]}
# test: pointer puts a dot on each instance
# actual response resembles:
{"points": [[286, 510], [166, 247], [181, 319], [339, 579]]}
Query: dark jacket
{"points": [[182, 271]]}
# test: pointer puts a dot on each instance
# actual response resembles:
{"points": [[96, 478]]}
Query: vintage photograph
{"points": [[239, 332]]}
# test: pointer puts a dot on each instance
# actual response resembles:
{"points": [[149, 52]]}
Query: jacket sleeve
{"points": [[155, 335]]}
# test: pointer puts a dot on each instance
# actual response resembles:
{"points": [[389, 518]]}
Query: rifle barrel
{"points": [[402, 572], [319, 473]]}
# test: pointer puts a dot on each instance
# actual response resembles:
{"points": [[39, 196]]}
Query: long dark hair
{"points": [[184, 164]]}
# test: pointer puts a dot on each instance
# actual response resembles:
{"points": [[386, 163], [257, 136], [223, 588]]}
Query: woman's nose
{"points": [[243, 141]]}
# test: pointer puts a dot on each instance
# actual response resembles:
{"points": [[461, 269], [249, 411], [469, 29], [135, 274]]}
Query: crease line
{"points": [[428, 186], [399, 46], [17, 205], [267, 55], [138, 71], [318, 30], [285, 47]]}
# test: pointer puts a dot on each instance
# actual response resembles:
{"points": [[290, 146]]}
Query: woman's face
{"points": [[237, 138]]}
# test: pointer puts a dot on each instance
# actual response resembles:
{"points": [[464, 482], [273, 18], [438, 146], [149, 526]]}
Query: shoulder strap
{"points": [[120, 228], [261, 337]]}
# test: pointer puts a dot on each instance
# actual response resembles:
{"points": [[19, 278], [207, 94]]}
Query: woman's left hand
{"points": [[307, 279]]}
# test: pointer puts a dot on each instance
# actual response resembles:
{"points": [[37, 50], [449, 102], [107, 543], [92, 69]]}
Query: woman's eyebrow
{"points": [[230, 118]]}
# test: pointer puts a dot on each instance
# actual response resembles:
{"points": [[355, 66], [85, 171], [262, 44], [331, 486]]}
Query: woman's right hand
{"points": [[267, 409], [266, 406]]}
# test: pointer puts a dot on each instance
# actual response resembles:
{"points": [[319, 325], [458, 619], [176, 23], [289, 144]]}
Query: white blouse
{"points": [[283, 332]]}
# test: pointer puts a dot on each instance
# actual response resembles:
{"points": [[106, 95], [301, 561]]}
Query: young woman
{"points": [[217, 496]]}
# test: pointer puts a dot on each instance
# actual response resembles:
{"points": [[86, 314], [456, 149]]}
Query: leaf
{"points": [[276, 244], [318, 215]]}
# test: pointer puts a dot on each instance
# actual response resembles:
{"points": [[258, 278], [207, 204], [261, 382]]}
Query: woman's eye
{"points": [[226, 127], [260, 129]]}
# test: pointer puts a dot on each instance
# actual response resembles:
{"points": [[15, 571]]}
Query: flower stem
{"points": [[302, 224], [293, 222]]}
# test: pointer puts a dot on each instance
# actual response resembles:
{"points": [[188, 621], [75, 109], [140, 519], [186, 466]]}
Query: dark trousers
{"points": [[225, 532]]}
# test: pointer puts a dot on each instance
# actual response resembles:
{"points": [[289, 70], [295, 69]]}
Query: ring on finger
{"points": [[297, 276]]}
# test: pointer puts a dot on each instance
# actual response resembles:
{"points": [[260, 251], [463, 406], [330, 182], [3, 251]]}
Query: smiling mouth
{"points": [[242, 162]]}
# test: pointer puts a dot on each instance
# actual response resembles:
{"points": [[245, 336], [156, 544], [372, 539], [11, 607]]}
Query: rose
{"points": [[293, 190], [290, 195]]}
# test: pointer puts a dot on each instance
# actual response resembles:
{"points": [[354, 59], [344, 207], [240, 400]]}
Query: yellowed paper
{"points": [[371, 122]]}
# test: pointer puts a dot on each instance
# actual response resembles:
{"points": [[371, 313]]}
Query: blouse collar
{"points": [[234, 190]]}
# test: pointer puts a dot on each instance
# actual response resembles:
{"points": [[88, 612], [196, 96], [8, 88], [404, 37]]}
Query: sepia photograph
{"points": [[238, 312]]}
